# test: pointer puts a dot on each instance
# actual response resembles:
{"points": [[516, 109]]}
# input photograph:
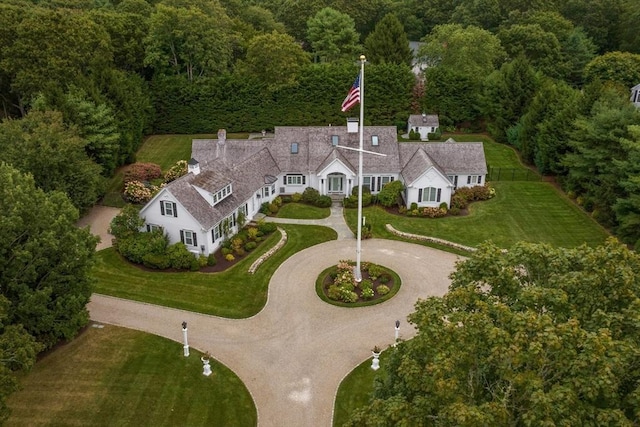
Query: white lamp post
{"points": [[397, 332], [186, 342]]}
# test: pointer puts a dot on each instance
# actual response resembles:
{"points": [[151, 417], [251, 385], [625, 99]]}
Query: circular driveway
{"points": [[293, 355]]}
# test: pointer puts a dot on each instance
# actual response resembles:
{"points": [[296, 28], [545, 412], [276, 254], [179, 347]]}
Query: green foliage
{"points": [[333, 36], [156, 261], [618, 67], [181, 258], [176, 171], [267, 227], [388, 43], [541, 48], [310, 195], [323, 202], [296, 197], [442, 88], [539, 333], [127, 223], [44, 269], [40, 144], [390, 193], [382, 289], [249, 246]]}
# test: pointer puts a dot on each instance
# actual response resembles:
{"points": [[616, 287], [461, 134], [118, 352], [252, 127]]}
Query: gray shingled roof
{"points": [[424, 120], [246, 163], [451, 156]]}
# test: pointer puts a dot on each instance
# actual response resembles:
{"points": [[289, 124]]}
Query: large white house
{"points": [[232, 178], [635, 95]]}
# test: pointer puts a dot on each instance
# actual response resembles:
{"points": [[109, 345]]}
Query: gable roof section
{"points": [[452, 157], [336, 154], [430, 120], [419, 163]]}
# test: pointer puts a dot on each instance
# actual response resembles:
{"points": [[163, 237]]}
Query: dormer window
{"points": [[374, 140], [294, 148], [335, 139], [222, 194]]}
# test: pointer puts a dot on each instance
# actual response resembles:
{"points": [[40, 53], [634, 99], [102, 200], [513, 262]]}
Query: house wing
{"points": [[419, 163], [458, 157], [253, 173]]}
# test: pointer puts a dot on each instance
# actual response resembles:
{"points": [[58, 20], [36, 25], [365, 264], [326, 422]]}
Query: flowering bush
{"points": [[382, 290], [176, 171], [229, 257], [367, 293], [137, 192], [344, 265], [142, 172]]}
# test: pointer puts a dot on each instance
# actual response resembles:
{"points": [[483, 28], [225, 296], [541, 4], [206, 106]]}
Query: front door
{"points": [[335, 184]]}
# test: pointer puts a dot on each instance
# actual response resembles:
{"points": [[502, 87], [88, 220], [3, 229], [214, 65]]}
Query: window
{"points": [[294, 148], [188, 237], [335, 139], [153, 227], [374, 139], [216, 233], [474, 179], [222, 194], [366, 182], [429, 194], [168, 208], [273, 189], [295, 180], [386, 180]]}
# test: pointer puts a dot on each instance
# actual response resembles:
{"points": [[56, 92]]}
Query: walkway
{"points": [[293, 355], [335, 221]]}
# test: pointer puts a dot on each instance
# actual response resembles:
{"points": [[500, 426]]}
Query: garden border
{"points": [[443, 242], [283, 239]]}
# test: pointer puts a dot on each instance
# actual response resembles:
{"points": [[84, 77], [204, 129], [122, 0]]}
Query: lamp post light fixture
{"points": [[397, 332], [184, 337]]}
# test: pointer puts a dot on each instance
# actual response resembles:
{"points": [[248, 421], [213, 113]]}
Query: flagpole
{"points": [[358, 272]]}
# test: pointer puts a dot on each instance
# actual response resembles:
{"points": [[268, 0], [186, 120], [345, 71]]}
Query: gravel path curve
{"points": [[294, 353]]}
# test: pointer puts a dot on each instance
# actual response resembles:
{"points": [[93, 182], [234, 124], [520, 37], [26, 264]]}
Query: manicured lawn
{"points": [[233, 293], [116, 377], [521, 211], [355, 389], [302, 211]]}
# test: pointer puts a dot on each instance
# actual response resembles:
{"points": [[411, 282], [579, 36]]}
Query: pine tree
{"points": [[388, 43]]}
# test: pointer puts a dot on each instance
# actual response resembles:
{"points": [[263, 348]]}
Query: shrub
{"points": [[366, 284], [157, 261], [240, 252], [181, 258], [433, 212], [444, 206], [264, 208], [195, 264], [135, 247], [334, 292], [267, 227], [278, 201], [384, 279], [367, 293], [226, 251], [402, 210], [375, 271], [324, 202], [229, 257], [350, 202], [249, 246], [273, 208], [211, 260], [390, 193], [126, 223], [142, 172], [366, 231], [348, 296], [236, 243], [296, 197], [138, 193], [365, 190], [252, 233], [176, 171], [203, 261], [455, 211], [310, 195], [382, 289], [434, 136], [414, 206]]}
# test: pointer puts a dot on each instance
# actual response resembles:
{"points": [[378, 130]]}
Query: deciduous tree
{"points": [[333, 36], [535, 336], [45, 259]]}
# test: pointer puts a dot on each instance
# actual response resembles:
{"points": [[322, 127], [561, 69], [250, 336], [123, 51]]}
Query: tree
{"points": [[189, 39], [40, 144], [618, 67], [479, 13], [601, 20], [46, 259], [388, 43], [53, 49], [333, 36], [443, 86], [627, 206], [18, 352], [469, 50], [390, 193], [540, 47], [596, 146], [507, 94], [275, 58], [535, 336]]}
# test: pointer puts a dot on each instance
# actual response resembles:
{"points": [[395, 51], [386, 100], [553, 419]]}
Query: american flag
{"points": [[353, 97]]}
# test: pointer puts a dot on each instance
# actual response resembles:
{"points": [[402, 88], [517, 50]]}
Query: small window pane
{"points": [[294, 148], [374, 140], [335, 139]]}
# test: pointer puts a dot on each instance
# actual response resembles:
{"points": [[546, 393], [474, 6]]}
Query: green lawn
{"points": [[302, 211], [233, 293], [121, 377], [355, 389]]}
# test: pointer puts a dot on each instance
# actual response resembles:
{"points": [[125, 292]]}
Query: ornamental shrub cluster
{"points": [[142, 172], [352, 200], [465, 195], [138, 192], [427, 212], [176, 171], [344, 283]]}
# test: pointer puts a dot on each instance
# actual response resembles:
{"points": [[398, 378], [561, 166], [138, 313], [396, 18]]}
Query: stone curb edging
{"points": [[429, 239], [263, 258]]}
